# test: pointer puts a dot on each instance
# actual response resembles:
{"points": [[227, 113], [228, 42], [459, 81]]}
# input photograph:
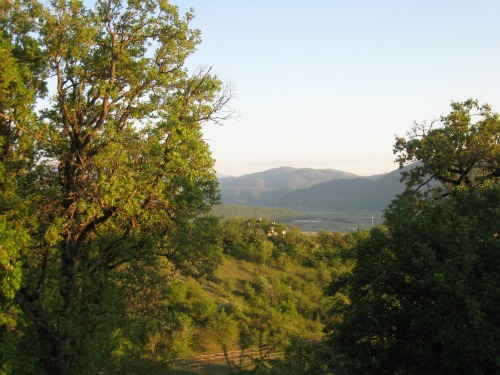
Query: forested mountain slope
{"points": [[310, 189], [263, 188], [353, 194]]}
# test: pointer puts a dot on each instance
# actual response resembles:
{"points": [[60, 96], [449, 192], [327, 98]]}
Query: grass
{"points": [[228, 288]]}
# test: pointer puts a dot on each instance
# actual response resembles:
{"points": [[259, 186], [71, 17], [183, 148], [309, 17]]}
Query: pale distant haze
{"points": [[328, 84]]}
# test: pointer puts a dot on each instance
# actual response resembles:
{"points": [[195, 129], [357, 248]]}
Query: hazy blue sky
{"points": [[328, 84]]}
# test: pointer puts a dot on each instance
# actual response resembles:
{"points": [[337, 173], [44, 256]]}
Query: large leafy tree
{"points": [[22, 81], [423, 294], [113, 173], [460, 149]]}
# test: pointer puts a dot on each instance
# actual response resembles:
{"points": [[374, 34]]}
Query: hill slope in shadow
{"points": [[312, 189], [352, 194], [264, 188]]}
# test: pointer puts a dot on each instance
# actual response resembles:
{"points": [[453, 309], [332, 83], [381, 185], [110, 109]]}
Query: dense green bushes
{"points": [[268, 291], [271, 285]]}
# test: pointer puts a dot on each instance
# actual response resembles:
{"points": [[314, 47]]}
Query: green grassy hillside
{"points": [[267, 292], [252, 305]]}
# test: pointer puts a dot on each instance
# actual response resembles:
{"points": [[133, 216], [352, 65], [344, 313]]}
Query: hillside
{"points": [[351, 194], [264, 188], [268, 289], [312, 189]]}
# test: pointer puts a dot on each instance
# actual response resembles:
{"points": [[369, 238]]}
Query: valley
{"points": [[310, 199]]}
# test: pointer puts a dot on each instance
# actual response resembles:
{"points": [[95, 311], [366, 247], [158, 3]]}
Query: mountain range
{"points": [[308, 189]]}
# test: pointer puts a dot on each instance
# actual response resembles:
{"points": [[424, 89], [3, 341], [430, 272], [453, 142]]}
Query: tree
{"points": [[462, 150], [114, 171], [22, 74], [423, 294]]}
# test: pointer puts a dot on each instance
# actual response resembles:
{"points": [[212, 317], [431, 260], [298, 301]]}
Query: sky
{"points": [[329, 84]]}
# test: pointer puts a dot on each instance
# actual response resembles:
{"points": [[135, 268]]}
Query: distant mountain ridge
{"points": [[284, 178], [262, 188], [312, 189]]}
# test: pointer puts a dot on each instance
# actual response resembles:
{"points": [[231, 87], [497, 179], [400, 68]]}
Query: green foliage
{"points": [[248, 240], [264, 241], [104, 192], [12, 241], [280, 295], [248, 303], [464, 149], [423, 294], [303, 357]]}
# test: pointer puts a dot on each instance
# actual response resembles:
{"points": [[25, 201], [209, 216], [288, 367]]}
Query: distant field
{"points": [[308, 221], [345, 221], [268, 213]]}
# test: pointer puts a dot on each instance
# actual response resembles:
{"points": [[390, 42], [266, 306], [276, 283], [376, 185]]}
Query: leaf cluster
{"points": [[460, 149]]}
